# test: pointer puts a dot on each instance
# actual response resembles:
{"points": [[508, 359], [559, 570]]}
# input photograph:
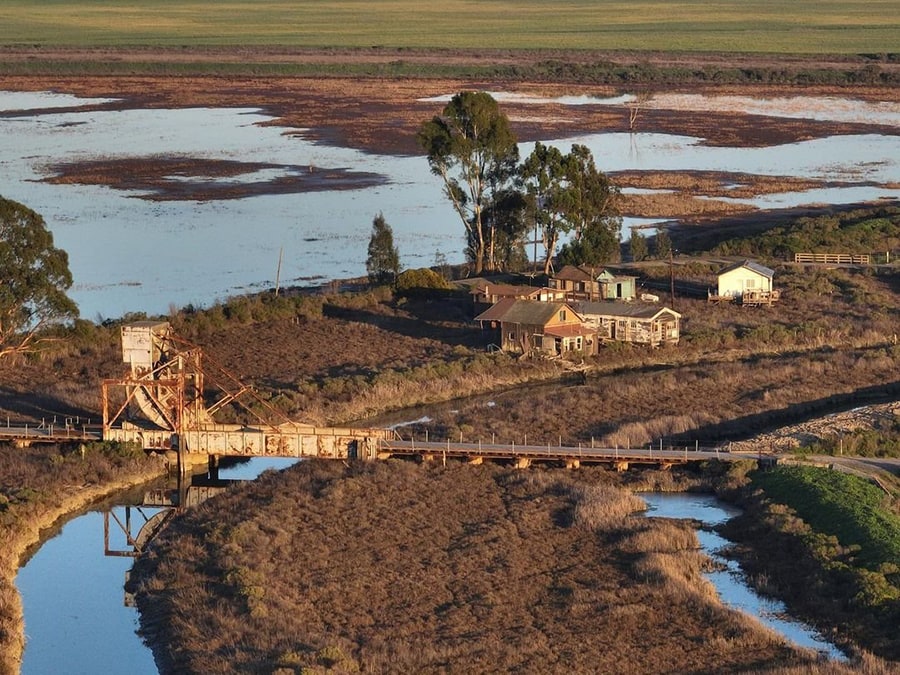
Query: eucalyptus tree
{"points": [[588, 204], [544, 181], [34, 278], [471, 146], [507, 224]]}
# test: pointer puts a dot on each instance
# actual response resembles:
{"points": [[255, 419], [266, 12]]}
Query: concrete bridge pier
{"points": [[212, 467], [188, 460], [621, 466]]}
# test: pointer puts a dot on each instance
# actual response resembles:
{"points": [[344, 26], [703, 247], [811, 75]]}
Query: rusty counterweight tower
{"points": [[166, 386]]}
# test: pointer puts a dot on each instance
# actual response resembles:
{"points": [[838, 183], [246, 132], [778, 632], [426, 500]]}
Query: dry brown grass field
{"points": [[400, 567]]}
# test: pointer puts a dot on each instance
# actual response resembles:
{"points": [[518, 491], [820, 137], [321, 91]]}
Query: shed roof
{"points": [[750, 265], [532, 312], [622, 309], [572, 273], [509, 290]]}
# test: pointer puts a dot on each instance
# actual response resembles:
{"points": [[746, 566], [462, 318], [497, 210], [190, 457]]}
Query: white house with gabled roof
{"points": [[743, 277]]}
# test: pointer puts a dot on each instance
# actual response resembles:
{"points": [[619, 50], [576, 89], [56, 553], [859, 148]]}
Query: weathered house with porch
{"points": [[585, 283], [528, 326], [629, 322], [748, 282]]}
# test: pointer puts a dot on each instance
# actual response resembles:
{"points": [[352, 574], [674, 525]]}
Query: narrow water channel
{"points": [[76, 620], [73, 596], [730, 582]]}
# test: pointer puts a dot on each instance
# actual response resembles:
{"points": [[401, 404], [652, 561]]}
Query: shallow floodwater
{"points": [[730, 582], [128, 254], [73, 596]]}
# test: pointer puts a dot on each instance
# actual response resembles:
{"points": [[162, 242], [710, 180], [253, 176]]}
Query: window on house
{"points": [[578, 343], [562, 315]]}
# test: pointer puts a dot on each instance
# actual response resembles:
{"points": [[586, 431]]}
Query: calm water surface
{"points": [[730, 582], [73, 597], [129, 254]]}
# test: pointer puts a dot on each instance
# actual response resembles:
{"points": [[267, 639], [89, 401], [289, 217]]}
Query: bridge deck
{"points": [[24, 434], [550, 453], [386, 446]]}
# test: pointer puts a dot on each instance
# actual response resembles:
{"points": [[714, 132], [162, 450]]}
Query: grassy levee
{"points": [[801, 27], [399, 567], [848, 507], [38, 487], [828, 544]]}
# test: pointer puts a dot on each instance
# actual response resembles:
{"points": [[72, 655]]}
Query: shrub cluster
{"points": [[861, 231]]}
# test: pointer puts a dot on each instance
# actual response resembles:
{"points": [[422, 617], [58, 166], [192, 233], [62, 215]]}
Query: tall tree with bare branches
{"points": [[471, 147]]}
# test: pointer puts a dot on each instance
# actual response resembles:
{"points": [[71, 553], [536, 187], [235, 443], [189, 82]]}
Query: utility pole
{"points": [[278, 270], [672, 276]]}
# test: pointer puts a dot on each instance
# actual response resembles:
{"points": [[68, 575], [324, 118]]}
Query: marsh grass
{"points": [[402, 567]]}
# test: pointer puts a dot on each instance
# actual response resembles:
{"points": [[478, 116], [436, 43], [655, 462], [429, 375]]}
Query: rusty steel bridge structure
{"points": [[161, 403], [166, 401]]}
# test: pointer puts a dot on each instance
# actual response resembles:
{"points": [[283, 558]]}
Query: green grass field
{"points": [[796, 27]]}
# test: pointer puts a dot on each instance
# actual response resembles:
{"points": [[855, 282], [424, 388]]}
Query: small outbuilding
{"points": [[527, 326]]}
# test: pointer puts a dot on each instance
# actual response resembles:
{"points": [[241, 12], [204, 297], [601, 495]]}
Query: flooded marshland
{"points": [[167, 207]]}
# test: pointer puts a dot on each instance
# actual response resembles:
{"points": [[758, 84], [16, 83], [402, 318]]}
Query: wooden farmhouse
{"points": [[488, 294], [628, 322], [748, 282], [525, 326], [584, 283]]}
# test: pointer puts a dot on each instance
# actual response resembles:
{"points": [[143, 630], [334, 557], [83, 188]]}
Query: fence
{"points": [[833, 258]]}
